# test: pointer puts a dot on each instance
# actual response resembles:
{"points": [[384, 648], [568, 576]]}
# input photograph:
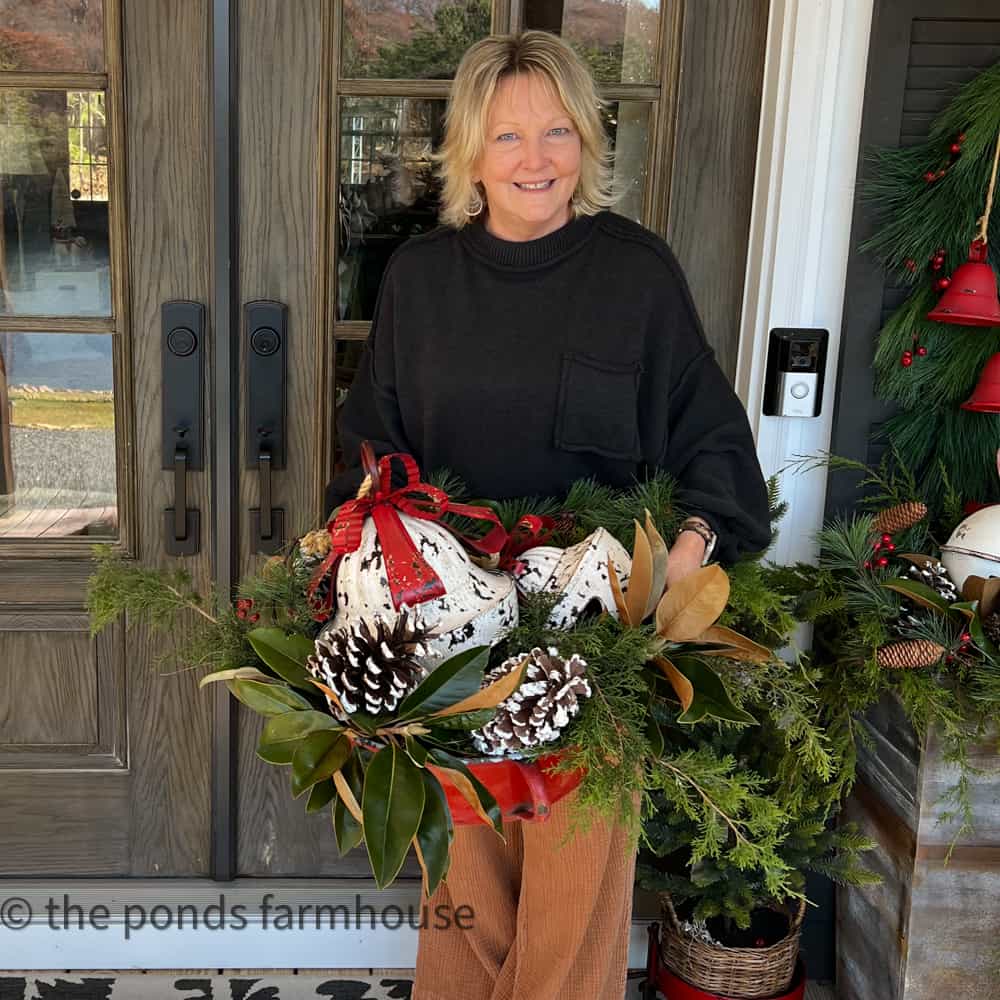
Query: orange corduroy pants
{"points": [[550, 918]]}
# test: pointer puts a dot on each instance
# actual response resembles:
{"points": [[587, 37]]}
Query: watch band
{"points": [[703, 531]]}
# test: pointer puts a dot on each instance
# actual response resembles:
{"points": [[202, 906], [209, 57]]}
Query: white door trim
{"points": [[800, 226]]}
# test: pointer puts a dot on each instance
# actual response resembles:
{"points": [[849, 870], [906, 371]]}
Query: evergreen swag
{"points": [[918, 218], [724, 742]]}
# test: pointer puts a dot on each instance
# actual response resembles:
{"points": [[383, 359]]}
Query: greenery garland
{"points": [[928, 201]]}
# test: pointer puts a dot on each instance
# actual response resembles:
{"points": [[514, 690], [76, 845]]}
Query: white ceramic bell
{"points": [[974, 547], [477, 609], [579, 573]]}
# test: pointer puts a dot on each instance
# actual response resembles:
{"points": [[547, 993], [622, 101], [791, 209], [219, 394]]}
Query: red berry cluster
{"points": [[884, 544], [965, 641], [907, 358], [954, 152], [244, 610]]}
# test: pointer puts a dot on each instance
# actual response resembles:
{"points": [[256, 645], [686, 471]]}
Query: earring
{"points": [[475, 206]]}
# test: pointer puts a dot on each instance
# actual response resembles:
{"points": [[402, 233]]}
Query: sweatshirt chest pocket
{"points": [[597, 408]]}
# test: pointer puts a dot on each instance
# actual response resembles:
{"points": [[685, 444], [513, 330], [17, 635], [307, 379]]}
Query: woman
{"points": [[533, 339]]}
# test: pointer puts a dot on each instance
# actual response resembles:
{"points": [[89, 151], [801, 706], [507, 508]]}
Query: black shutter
{"points": [[921, 53]]}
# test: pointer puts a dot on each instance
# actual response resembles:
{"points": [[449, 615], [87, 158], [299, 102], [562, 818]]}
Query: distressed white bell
{"points": [[579, 574], [477, 608], [974, 547]]}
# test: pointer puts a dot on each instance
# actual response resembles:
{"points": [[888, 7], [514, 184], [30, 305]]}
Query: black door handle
{"points": [[266, 330], [183, 335]]}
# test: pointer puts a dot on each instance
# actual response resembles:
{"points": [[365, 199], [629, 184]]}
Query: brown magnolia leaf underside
{"points": [[738, 647], [693, 604], [683, 688]]}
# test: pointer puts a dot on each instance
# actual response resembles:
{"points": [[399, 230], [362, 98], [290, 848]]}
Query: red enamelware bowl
{"points": [[676, 989], [524, 791]]}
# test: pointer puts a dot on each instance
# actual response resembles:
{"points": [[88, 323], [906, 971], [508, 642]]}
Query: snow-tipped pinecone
{"points": [[315, 544], [900, 517], [932, 574], [539, 710], [910, 654], [991, 626], [371, 668]]}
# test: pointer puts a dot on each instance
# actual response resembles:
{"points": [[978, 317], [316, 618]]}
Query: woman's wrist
{"points": [[698, 527]]}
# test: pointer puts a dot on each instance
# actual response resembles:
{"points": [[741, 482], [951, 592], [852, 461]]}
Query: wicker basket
{"points": [[739, 973]]}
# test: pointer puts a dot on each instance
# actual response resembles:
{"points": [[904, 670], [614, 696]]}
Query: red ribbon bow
{"points": [[531, 530], [411, 579]]}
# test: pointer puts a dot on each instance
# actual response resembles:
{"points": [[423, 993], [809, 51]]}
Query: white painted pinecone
{"points": [[547, 698]]}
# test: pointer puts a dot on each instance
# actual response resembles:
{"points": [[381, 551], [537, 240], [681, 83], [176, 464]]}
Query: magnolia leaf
{"points": [[321, 794], [983, 642], [268, 698], [285, 654], [683, 688], [435, 833], [241, 673], [449, 683], [329, 692], [616, 590], [919, 592], [318, 757], [488, 697], [640, 580], [736, 646], [660, 561], [654, 734], [347, 829], [291, 727], [967, 608], [917, 558], [391, 806], [692, 604], [711, 699], [989, 603], [467, 720], [470, 787], [972, 589], [415, 750]]}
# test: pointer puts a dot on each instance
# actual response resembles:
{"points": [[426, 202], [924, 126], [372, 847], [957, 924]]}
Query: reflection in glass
{"points": [[627, 123], [348, 356], [52, 35], [616, 38], [57, 436], [410, 39], [388, 189], [54, 257]]}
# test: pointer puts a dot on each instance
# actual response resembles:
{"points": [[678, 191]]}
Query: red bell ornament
{"points": [[986, 396], [971, 297]]}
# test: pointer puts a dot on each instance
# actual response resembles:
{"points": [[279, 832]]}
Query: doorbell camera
{"points": [[796, 362]]}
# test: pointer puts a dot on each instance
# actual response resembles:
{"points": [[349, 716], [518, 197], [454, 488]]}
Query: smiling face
{"points": [[531, 162]]}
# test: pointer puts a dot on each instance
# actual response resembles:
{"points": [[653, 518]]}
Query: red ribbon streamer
{"points": [[411, 579]]}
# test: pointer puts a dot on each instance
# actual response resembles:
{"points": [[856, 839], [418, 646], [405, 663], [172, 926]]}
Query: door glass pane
{"points": [[54, 257], [627, 123], [57, 435], [52, 35], [388, 189], [617, 38], [348, 356], [410, 39]]}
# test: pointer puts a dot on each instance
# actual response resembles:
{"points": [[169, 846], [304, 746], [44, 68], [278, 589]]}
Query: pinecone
{"points": [[934, 575], [991, 626], [547, 698], [371, 668], [315, 545], [900, 517], [910, 654]]}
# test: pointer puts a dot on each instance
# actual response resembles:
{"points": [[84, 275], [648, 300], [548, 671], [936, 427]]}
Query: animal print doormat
{"points": [[213, 984]]}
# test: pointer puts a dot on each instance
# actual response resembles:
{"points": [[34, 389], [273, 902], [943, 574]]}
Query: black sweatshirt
{"points": [[523, 366]]}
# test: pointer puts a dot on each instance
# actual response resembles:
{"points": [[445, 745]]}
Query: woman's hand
{"points": [[685, 556]]}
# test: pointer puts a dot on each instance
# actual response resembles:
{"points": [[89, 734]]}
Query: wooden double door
{"points": [[190, 188]]}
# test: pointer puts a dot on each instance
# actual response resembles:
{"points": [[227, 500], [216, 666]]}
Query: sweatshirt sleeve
{"points": [[695, 427], [371, 410]]}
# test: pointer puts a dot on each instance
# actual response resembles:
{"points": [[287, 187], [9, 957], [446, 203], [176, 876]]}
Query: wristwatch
{"points": [[700, 528]]}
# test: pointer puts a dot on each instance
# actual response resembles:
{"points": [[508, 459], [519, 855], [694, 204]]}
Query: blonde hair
{"points": [[479, 73]]}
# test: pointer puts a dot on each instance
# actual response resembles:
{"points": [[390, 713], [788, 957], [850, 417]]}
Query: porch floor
{"points": [[286, 984]]}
